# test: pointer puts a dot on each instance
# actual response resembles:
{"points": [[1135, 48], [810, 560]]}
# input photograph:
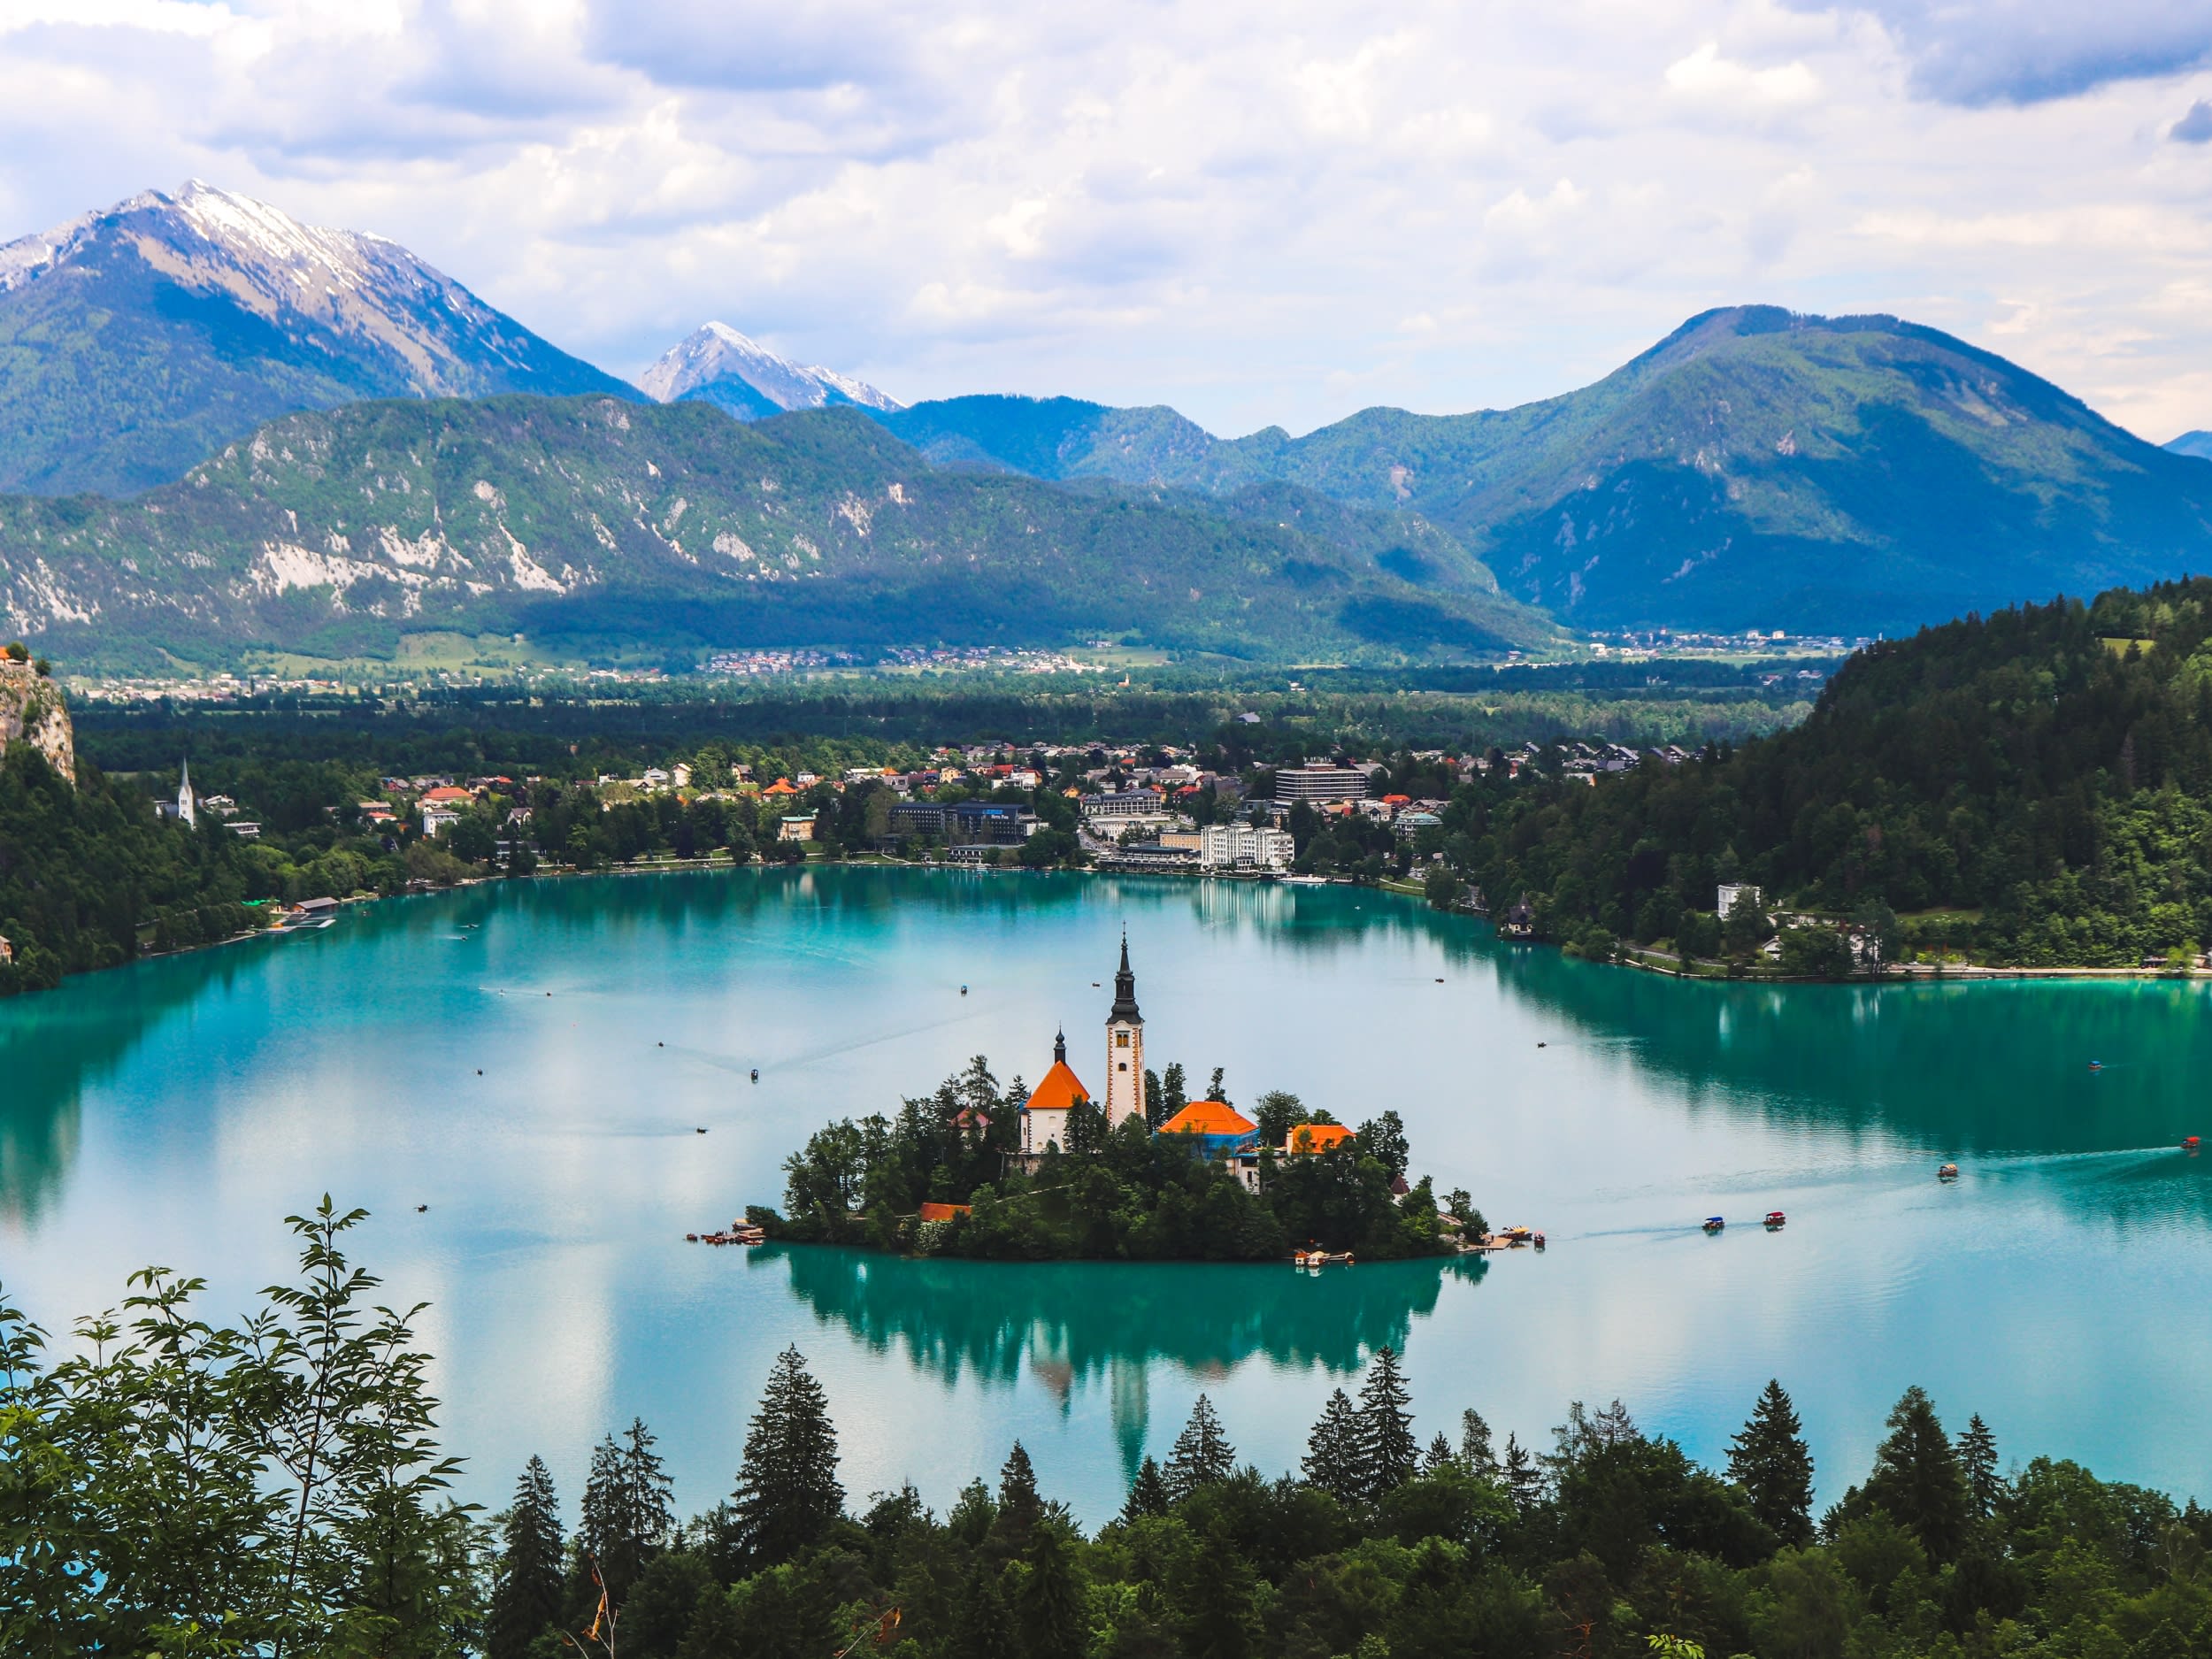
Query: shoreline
{"points": [[1897, 975]]}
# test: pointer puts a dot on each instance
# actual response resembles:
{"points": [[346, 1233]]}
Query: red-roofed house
{"points": [[1316, 1138], [1216, 1122]]}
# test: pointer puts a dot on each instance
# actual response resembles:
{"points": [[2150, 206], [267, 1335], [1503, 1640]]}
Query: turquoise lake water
{"points": [[175, 1112]]}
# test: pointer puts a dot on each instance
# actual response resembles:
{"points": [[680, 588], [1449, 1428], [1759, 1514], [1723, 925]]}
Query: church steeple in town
{"points": [[1060, 1047], [187, 805], [1125, 990]]}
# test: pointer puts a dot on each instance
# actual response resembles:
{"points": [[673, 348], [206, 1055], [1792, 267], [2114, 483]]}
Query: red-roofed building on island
{"points": [[1045, 1118], [1312, 1138]]}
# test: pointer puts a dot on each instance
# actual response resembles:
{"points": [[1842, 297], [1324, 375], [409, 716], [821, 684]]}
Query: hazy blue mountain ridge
{"points": [[1756, 468]]}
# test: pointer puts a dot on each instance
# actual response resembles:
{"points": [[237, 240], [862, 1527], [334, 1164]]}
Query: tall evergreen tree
{"points": [[1916, 1478], [1203, 1453], [1019, 1508], [1978, 1463], [986, 1628], [1474, 1444], [787, 1492], [1439, 1456], [1147, 1492], [1523, 1479], [1214, 1089], [1387, 1455], [526, 1598], [1332, 1460], [1050, 1611], [1772, 1463]]}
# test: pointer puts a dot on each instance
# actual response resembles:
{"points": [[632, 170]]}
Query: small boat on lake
{"points": [[1775, 1218], [1948, 1172], [1714, 1224], [2189, 1143]]}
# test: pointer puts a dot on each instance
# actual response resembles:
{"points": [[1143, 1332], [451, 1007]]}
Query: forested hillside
{"points": [[612, 525], [2038, 781]]}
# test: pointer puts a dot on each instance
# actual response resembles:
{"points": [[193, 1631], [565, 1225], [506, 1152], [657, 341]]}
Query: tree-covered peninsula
{"points": [[2032, 787], [945, 1177]]}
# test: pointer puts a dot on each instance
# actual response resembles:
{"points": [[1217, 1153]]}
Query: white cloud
{"points": [[1255, 211]]}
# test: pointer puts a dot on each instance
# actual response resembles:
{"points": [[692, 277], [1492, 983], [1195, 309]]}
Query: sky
{"points": [[1260, 211]]}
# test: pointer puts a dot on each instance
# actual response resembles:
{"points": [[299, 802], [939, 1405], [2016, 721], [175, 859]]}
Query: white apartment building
{"points": [[1244, 846]]}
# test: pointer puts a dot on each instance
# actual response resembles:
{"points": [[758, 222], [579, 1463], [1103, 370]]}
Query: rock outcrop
{"points": [[32, 710]]}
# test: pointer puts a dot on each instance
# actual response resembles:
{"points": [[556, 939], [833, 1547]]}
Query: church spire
{"points": [[1060, 1047], [1124, 989]]}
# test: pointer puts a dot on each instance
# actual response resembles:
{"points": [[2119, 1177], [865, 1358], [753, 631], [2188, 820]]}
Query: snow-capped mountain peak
{"points": [[717, 364]]}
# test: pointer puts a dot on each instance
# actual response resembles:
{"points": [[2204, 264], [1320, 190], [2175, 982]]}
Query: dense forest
{"points": [[1126, 1194], [2033, 786], [277, 1486]]}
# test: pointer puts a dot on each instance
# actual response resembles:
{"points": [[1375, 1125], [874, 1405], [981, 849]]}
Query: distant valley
{"points": [[1756, 469]]}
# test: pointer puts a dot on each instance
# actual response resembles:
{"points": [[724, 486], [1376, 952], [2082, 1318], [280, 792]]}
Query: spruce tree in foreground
{"points": [[1203, 1453], [1387, 1455], [1332, 1460], [1049, 1606], [1474, 1444], [1019, 1508], [627, 1514], [1771, 1462], [1147, 1492], [787, 1492], [1916, 1479], [1522, 1478], [526, 1598], [1978, 1463]]}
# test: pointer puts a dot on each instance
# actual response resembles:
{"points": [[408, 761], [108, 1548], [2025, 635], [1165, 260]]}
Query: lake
{"points": [[534, 1061]]}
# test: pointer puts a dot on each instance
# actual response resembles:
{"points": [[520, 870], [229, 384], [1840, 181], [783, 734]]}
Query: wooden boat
{"points": [[1714, 1224], [1948, 1172], [1321, 1258]]}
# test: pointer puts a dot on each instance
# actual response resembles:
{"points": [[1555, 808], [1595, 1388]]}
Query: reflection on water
{"points": [[1068, 1322], [535, 1060]]}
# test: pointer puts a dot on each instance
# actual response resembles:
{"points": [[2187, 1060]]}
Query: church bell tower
{"points": [[1125, 1048]]}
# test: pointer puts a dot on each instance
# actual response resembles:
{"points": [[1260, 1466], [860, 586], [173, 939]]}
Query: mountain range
{"points": [[600, 523], [1756, 469], [137, 342]]}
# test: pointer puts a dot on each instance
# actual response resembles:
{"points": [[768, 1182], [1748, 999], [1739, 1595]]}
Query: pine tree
{"points": [[1332, 1460], [627, 1516], [1387, 1454], [526, 1598], [1978, 1463], [986, 1628], [1050, 1610], [1019, 1508], [1203, 1453], [1147, 1494], [1522, 1478], [1214, 1089], [787, 1492], [1474, 1444], [1439, 1456], [1771, 1462], [1916, 1479]]}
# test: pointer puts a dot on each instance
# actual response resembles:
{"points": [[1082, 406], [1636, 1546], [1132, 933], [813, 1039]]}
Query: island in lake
{"points": [[1137, 1174]]}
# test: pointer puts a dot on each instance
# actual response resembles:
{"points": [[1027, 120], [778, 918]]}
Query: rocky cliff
{"points": [[31, 709]]}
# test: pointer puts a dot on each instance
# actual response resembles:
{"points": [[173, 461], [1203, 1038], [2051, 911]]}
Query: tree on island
{"points": [[787, 1492], [1772, 1463], [1202, 1454]]}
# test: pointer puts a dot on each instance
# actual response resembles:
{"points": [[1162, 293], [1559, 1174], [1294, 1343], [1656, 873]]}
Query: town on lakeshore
{"points": [[1136, 1173]]}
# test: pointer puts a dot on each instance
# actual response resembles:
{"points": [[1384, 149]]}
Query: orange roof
{"points": [[1317, 1138], [1208, 1118], [942, 1212], [447, 794], [1060, 1089], [782, 785]]}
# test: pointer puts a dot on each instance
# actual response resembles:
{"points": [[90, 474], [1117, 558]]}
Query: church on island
{"points": [[1217, 1129]]}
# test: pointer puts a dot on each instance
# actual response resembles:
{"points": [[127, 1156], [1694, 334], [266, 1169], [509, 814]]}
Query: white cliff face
{"points": [[717, 352]]}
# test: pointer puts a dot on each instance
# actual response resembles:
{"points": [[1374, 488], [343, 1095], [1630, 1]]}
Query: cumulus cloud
{"points": [[2026, 52], [1260, 212]]}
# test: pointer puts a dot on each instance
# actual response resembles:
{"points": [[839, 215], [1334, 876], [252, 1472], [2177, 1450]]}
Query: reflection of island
{"points": [[1071, 1321]]}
